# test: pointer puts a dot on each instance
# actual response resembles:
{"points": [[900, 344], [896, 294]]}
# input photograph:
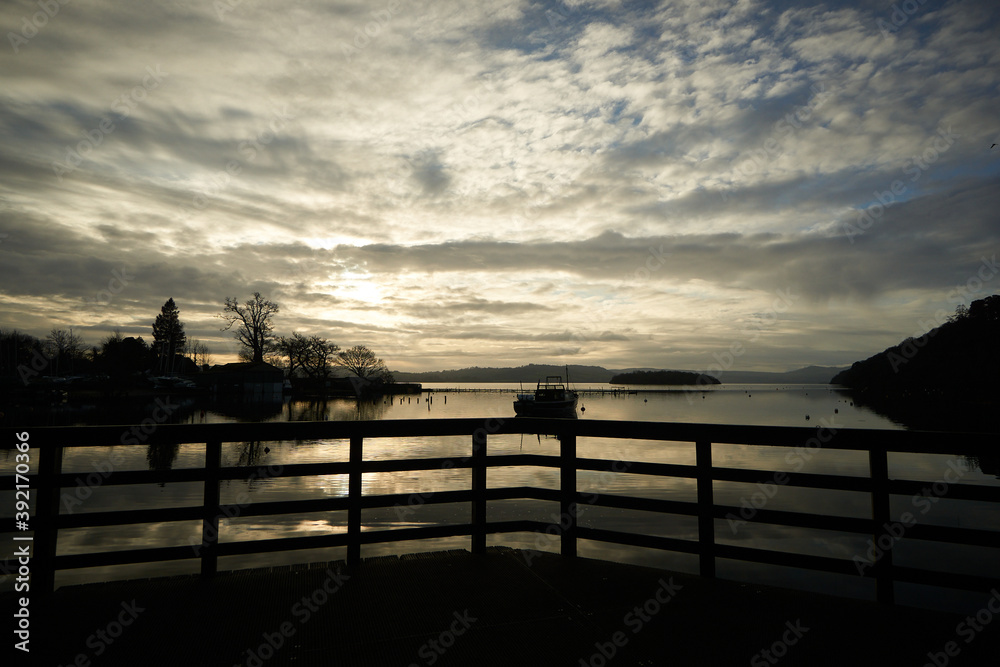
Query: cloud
{"points": [[590, 179]]}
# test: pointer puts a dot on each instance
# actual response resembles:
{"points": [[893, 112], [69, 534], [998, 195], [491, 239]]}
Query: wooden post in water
{"points": [[567, 493], [354, 501], [878, 466], [210, 514], [43, 576], [479, 440], [706, 518]]}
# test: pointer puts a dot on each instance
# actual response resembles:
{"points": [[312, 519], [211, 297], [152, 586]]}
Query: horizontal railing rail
{"points": [[850, 439], [49, 479]]}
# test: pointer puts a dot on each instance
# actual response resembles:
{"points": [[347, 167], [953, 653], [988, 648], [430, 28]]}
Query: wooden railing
{"points": [[50, 479]]}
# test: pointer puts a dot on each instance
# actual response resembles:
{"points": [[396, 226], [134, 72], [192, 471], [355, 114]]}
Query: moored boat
{"points": [[551, 398]]}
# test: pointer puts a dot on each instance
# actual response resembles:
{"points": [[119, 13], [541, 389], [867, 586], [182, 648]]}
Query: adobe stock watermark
{"points": [[233, 510], [302, 611], [464, 110], [927, 329], [635, 620], [417, 499], [899, 17], [596, 317], [988, 269], [138, 434], [39, 363], [38, 20], [248, 149], [797, 458], [363, 35], [560, 12], [914, 167], [751, 332], [779, 649], [161, 412], [120, 278], [85, 485], [432, 650], [752, 161], [923, 501], [562, 521], [968, 629], [123, 105], [533, 209], [103, 638], [223, 7]]}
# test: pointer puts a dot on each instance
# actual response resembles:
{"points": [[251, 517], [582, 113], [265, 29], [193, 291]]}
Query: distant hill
{"points": [[961, 355], [663, 377], [530, 373], [599, 374], [807, 375]]}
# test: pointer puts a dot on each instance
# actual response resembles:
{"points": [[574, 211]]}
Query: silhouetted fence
{"points": [[49, 480]]}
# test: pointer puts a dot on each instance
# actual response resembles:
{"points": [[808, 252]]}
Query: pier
{"points": [[500, 608], [537, 608]]}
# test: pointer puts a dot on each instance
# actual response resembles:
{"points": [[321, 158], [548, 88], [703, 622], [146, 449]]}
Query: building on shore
{"points": [[251, 381]]}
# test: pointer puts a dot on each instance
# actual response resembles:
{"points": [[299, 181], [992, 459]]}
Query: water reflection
{"points": [[988, 463], [967, 413], [336, 409], [777, 406], [306, 411], [367, 410], [162, 456], [737, 404], [248, 411], [251, 453]]}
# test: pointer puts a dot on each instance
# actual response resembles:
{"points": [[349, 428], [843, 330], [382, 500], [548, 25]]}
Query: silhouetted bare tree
{"points": [[362, 362], [310, 354], [199, 352], [63, 347], [251, 324]]}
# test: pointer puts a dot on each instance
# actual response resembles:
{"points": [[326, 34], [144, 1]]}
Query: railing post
{"points": [[567, 493], [479, 453], [46, 534], [878, 466], [210, 514], [706, 516], [354, 501]]}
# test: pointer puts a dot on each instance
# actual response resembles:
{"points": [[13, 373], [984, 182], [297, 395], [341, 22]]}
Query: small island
{"points": [[663, 377]]}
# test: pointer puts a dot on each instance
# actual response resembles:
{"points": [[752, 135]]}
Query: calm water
{"points": [[786, 405]]}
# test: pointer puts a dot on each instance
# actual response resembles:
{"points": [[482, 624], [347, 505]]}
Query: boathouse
{"points": [[252, 381]]}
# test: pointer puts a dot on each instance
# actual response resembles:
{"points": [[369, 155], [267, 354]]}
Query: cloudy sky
{"points": [[458, 184]]}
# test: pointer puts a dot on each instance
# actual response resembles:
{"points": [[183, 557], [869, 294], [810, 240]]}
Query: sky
{"points": [[704, 185]]}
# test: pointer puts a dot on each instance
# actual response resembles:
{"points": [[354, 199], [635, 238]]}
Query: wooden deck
{"points": [[501, 607]]}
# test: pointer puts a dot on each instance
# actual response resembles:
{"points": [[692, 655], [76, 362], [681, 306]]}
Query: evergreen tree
{"points": [[169, 338]]}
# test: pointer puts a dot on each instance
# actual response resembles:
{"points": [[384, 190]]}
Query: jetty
{"points": [[489, 604]]}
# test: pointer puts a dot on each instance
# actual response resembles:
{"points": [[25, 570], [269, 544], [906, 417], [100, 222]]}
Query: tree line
{"points": [[63, 352], [960, 357], [309, 356]]}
